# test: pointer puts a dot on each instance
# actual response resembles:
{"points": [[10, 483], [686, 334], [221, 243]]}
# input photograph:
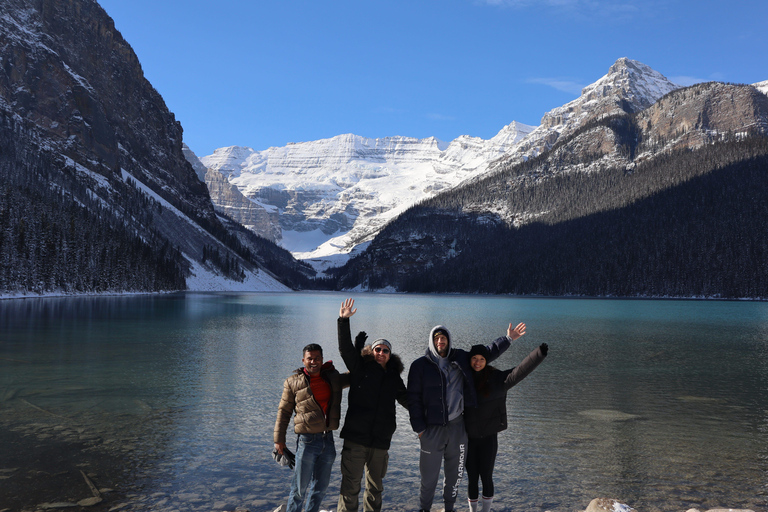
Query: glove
{"points": [[360, 340], [544, 348], [288, 458]]}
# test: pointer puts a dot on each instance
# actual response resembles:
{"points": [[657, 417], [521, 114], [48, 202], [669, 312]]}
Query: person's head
{"points": [[440, 340], [312, 358], [478, 357], [381, 351]]}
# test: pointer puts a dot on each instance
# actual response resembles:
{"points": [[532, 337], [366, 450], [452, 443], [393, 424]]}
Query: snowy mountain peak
{"points": [[762, 86], [512, 133], [629, 86], [635, 82], [229, 160], [333, 194]]}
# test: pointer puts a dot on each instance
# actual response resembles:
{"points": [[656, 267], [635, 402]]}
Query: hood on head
{"points": [[430, 342]]}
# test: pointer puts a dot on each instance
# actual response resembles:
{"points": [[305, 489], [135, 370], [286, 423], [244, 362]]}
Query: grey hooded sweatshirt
{"points": [[454, 377]]}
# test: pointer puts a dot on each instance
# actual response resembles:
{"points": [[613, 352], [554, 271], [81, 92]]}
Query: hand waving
{"points": [[346, 310], [516, 332]]}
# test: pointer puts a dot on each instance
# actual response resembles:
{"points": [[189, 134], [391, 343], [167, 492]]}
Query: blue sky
{"points": [[260, 74]]}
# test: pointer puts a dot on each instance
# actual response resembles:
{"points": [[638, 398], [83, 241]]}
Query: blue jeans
{"points": [[314, 460]]}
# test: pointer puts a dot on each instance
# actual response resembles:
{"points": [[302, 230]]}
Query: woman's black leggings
{"points": [[481, 457]]}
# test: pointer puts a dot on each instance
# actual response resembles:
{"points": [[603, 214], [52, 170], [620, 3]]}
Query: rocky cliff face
{"points": [[70, 73], [702, 114], [73, 91], [262, 220]]}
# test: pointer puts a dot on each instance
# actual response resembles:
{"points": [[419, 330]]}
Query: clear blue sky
{"points": [[260, 74]]}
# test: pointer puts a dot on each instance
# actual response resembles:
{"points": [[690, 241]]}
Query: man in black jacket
{"points": [[375, 385]]}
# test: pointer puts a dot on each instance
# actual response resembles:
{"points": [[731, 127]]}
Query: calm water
{"points": [[660, 404]]}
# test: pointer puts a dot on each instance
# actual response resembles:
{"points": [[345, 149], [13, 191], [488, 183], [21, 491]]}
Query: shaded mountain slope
{"points": [[663, 202]]}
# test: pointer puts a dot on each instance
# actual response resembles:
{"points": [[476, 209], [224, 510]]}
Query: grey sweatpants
{"points": [[438, 443]]}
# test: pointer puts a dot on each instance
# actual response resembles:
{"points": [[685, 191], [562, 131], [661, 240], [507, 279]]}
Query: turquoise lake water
{"points": [[662, 404]]}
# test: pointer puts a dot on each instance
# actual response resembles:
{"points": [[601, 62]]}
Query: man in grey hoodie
{"points": [[440, 385]]}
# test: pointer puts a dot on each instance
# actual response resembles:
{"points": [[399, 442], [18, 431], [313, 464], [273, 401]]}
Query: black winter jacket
{"points": [[373, 390], [427, 383], [490, 415]]}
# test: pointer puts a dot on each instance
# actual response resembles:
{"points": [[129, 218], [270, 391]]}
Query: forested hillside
{"points": [[96, 194], [56, 236], [702, 234]]}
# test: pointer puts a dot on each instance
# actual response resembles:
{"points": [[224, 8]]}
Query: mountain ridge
{"points": [[334, 198]]}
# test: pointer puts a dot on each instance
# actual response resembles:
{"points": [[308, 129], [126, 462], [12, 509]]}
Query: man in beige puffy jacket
{"points": [[313, 392]]}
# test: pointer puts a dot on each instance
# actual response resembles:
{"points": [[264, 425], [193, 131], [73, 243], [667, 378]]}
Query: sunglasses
{"points": [[382, 350]]}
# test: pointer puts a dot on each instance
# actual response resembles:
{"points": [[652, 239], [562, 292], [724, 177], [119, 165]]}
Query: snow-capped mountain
{"points": [[335, 194], [628, 87]]}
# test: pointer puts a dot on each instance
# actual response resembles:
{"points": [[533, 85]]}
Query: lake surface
{"points": [[662, 405]]}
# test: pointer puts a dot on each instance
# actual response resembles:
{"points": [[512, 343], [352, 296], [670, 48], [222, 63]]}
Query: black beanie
{"points": [[479, 350]]}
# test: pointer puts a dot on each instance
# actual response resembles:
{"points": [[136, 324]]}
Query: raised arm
{"points": [[349, 353], [501, 344], [525, 368]]}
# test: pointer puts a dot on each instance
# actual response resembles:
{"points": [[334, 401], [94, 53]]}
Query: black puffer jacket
{"points": [[427, 398], [373, 390], [490, 415]]}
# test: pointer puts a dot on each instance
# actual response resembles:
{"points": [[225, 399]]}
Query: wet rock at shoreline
{"points": [[612, 505], [608, 505]]}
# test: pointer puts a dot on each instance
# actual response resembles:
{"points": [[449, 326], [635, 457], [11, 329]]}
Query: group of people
{"points": [[456, 402]]}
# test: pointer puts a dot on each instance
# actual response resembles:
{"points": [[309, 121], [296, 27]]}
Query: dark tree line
{"points": [[226, 263], [692, 223], [49, 242], [56, 235]]}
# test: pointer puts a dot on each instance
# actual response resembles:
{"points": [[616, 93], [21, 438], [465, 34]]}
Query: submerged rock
{"points": [[89, 502], [608, 415]]}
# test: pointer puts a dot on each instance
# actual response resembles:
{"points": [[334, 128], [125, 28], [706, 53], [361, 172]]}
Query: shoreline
{"points": [[63, 295], [54, 466]]}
